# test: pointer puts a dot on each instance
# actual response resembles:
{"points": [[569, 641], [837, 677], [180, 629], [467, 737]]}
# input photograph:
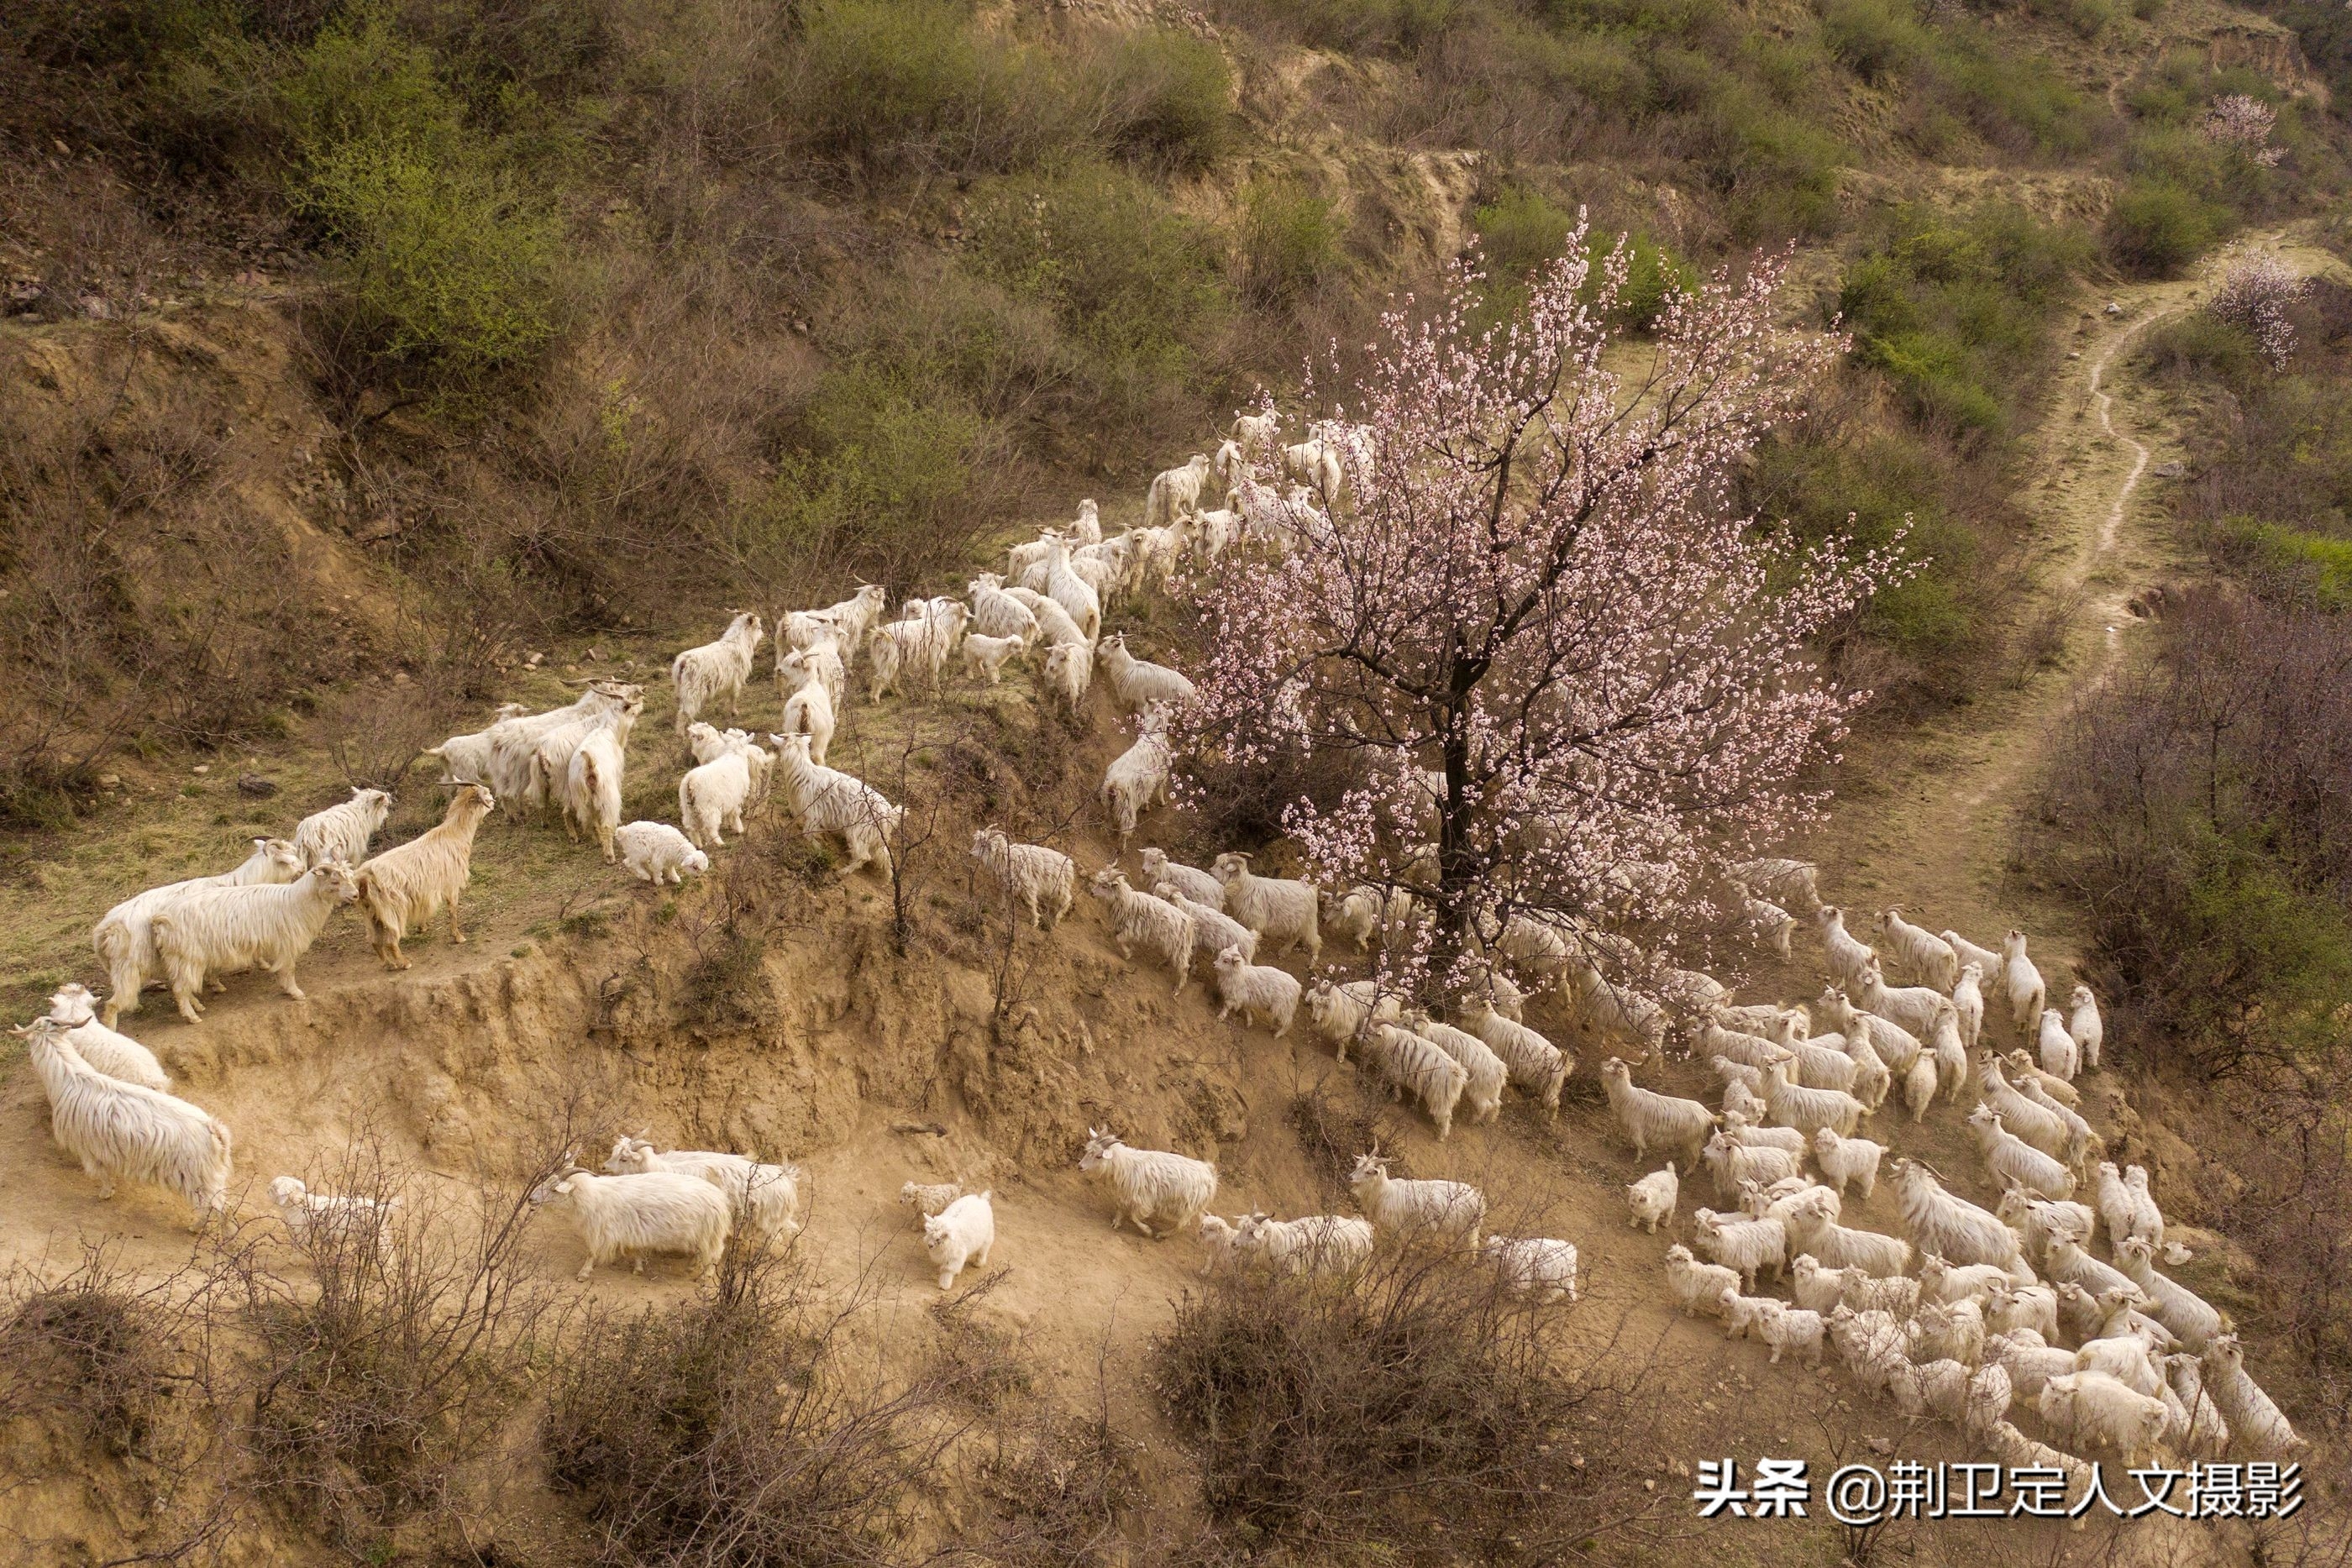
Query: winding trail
{"points": [[1926, 815]]}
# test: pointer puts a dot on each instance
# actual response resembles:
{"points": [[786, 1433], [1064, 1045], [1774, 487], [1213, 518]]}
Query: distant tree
{"points": [[2255, 294], [1533, 612]]}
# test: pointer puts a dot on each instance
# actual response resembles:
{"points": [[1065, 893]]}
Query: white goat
{"points": [[1848, 1161], [1652, 1200], [2261, 1429], [1950, 1227], [1138, 683], [1255, 990], [1282, 911], [128, 1132], [1968, 1001], [658, 853], [652, 1212], [2176, 1306], [2058, 1057], [1138, 778], [1850, 957], [2086, 1026], [1813, 1226], [124, 937], [1648, 1118], [1069, 670], [1738, 1242], [116, 1055], [362, 1222], [2091, 1409], [1162, 930], [1696, 1286], [1413, 1065], [341, 832], [1918, 952], [1201, 886], [811, 710], [767, 1198], [1533, 1264], [827, 801], [704, 675], [962, 1233], [1338, 1014], [1042, 880], [2012, 1160], [1149, 1187], [1401, 1208], [1535, 1065], [210, 931], [1810, 1110], [1213, 930], [2023, 981], [409, 883], [1175, 490], [1318, 1243]]}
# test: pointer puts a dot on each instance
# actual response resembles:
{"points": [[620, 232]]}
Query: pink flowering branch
{"points": [[1532, 615], [2255, 294], [2236, 120]]}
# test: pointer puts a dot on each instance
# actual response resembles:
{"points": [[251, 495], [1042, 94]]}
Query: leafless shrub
{"points": [[376, 731], [1334, 1126], [1060, 1487], [398, 1361], [1421, 1411], [746, 1426]]}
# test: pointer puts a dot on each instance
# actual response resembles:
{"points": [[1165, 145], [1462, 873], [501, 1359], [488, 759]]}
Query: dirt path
{"points": [[1926, 816]]}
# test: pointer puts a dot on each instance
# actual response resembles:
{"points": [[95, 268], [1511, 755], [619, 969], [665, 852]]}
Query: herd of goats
{"points": [[1967, 1313]]}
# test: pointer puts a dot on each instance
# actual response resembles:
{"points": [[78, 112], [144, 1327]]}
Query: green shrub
{"points": [[1876, 39], [1133, 280], [1652, 273], [449, 267], [2086, 19], [2013, 100], [2157, 227], [2323, 564], [1521, 230], [1168, 101], [2195, 343], [1289, 243], [894, 86]]}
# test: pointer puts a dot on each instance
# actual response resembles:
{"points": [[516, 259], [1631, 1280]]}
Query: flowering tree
{"points": [[2255, 294], [2236, 120], [1552, 646]]}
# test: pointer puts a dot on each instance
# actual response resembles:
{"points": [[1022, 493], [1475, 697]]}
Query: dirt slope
{"points": [[855, 1052]]}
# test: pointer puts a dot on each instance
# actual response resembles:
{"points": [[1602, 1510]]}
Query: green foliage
{"points": [[1521, 230], [1652, 273], [1289, 243], [2198, 343], [1132, 280], [1168, 101], [1361, 27], [2322, 563], [446, 264], [1876, 39], [2086, 19], [901, 86], [2159, 227], [1954, 311]]}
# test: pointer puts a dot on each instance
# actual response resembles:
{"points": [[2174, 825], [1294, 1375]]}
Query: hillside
{"points": [[373, 366]]}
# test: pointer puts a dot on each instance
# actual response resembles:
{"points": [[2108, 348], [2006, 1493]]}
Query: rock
{"points": [[376, 528], [255, 784], [203, 768], [109, 780], [2115, 309], [2170, 470]]}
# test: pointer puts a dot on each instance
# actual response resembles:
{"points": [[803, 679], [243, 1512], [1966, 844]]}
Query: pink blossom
{"points": [[2238, 120], [2255, 294], [1533, 582]]}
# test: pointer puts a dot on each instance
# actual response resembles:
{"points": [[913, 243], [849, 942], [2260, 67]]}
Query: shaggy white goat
{"points": [[1338, 1014], [124, 937], [2013, 1161], [1968, 1001], [962, 1233], [1649, 1118], [1848, 1161], [1413, 1065], [2174, 1305], [1138, 683], [1401, 1208], [1698, 1287], [1175, 490], [1255, 990], [1536, 1065], [1149, 1187], [1213, 930], [1813, 1226], [1810, 1110], [2261, 1427], [341, 832], [1652, 1200], [2092, 1410], [2022, 982], [1790, 881], [209, 931], [630, 1215], [467, 758], [704, 675], [1850, 957], [811, 710], [1732, 1163], [658, 853], [1488, 1072], [2086, 1026], [1918, 952], [985, 658], [1042, 880], [1318, 1243], [1201, 886], [128, 1132], [406, 886], [1773, 927], [2058, 1057], [927, 1198], [996, 613], [1162, 930], [592, 788], [514, 742], [820, 665], [827, 801], [1740, 1243], [1950, 1227], [1138, 779], [2038, 1124], [767, 1198], [1283, 912], [1069, 670], [1532, 1264], [363, 1222], [116, 1055]]}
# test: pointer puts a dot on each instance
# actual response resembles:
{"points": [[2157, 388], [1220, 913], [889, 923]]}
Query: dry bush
{"points": [[1421, 1412], [747, 1427], [376, 731], [1061, 1488], [93, 1347], [398, 1362], [1335, 1126]]}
